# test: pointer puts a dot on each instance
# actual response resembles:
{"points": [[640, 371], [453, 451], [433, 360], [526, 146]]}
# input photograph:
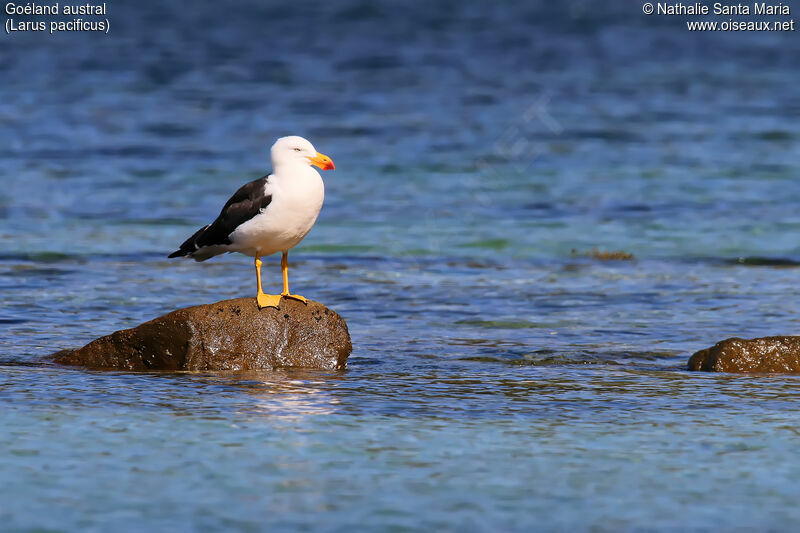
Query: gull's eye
{"points": [[297, 150]]}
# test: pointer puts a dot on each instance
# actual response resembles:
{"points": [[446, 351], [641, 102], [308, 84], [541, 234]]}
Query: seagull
{"points": [[268, 215]]}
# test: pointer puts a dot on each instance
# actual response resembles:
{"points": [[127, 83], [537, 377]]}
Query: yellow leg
{"points": [[264, 300], [285, 270]]}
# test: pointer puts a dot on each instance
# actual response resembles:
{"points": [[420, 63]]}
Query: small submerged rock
{"points": [[765, 354], [227, 335], [605, 255]]}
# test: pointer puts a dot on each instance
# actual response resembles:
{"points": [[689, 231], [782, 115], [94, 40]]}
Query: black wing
{"points": [[246, 203]]}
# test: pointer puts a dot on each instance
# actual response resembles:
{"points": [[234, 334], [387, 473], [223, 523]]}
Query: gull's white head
{"points": [[294, 150]]}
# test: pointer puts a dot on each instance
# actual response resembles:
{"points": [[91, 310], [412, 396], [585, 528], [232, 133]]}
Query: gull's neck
{"points": [[296, 169]]}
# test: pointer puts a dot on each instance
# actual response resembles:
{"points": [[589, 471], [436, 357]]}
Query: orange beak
{"points": [[322, 161]]}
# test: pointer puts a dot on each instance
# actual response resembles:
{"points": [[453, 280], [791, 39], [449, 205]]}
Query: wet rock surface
{"points": [[764, 354], [227, 335]]}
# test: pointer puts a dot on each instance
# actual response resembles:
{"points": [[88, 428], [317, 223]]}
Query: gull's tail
{"points": [[190, 246]]}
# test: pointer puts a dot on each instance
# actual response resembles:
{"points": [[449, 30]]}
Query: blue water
{"points": [[502, 378]]}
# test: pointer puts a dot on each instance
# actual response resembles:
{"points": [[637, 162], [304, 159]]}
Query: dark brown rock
{"points": [[227, 335], [764, 354]]}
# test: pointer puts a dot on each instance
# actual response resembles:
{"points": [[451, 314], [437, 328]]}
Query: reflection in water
{"points": [[288, 394]]}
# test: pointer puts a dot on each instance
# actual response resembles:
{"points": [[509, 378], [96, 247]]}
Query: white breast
{"points": [[297, 196]]}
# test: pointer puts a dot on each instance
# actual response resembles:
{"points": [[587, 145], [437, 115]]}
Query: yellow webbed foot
{"points": [[267, 300], [294, 297]]}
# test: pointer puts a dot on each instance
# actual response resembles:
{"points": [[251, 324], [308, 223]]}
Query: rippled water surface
{"points": [[503, 377]]}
